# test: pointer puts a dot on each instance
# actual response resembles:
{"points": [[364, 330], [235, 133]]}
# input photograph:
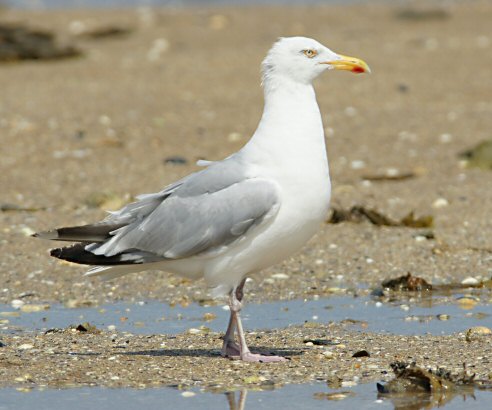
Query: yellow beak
{"points": [[356, 65]]}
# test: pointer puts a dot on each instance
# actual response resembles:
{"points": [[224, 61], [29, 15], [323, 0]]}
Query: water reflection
{"points": [[241, 399], [292, 397], [414, 387], [361, 396], [427, 401]]}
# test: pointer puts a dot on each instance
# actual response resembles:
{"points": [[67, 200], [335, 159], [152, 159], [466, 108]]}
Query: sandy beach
{"points": [[135, 112]]}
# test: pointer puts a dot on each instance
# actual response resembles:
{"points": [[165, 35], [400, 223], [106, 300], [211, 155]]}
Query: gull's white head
{"points": [[302, 59]]}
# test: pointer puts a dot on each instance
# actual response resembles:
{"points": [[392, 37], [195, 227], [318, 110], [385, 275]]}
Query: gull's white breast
{"points": [[294, 156]]}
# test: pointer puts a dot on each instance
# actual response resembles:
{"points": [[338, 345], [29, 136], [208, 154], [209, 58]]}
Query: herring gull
{"points": [[237, 216]]}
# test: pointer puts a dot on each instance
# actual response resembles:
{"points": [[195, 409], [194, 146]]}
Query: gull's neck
{"points": [[291, 121], [284, 96]]}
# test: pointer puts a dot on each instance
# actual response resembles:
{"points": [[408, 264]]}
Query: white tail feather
{"points": [[110, 272]]}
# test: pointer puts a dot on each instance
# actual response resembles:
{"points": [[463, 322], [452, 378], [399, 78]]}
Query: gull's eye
{"points": [[309, 53]]}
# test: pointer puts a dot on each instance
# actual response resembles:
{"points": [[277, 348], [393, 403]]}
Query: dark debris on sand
{"points": [[18, 42], [407, 282], [359, 214], [415, 387]]}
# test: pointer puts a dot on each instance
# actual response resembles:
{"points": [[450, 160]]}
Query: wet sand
{"points": [[186, 83], [73, 359]]}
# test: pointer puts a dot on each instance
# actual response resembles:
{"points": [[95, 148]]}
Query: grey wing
{"points": [[218, 176], [189, 222]]}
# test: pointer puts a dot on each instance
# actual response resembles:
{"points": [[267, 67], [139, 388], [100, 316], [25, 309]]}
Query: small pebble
{"points": [[188, 394], [234, 137], [17, 303], [470, 281], [34, 308], [477, 332], [280, 276], [175, 160], [467, 302], [209, 316], [26, 231], [337, 396], [392, 172], [105, 120], [111, 328], [445, 138], [77, 27], [357, 164], [158, 48], [361, 353], [25, 346], [440, 203]]}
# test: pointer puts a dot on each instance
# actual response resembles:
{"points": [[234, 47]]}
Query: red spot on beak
{"points": [[358, 70]]}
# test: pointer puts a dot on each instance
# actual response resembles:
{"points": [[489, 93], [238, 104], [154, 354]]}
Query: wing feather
{"points": [[204, 212], [183, 226]]}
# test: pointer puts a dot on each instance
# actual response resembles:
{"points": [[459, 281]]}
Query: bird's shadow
{"points": [[210, 352]]}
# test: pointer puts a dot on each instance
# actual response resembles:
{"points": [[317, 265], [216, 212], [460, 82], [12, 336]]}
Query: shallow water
{"points": [[289, 397], [420, 317], [400, 317]]}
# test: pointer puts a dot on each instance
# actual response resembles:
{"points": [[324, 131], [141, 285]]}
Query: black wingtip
{"points": [[84, 233], [51, 235], [77, 254], [56, 252]]}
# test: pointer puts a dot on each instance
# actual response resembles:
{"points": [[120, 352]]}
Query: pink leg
{"points": [[243, 352], [230, 348]]}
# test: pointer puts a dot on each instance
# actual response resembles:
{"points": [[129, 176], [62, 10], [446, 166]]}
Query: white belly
{"points": [[305, 198], [303, 208]]}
